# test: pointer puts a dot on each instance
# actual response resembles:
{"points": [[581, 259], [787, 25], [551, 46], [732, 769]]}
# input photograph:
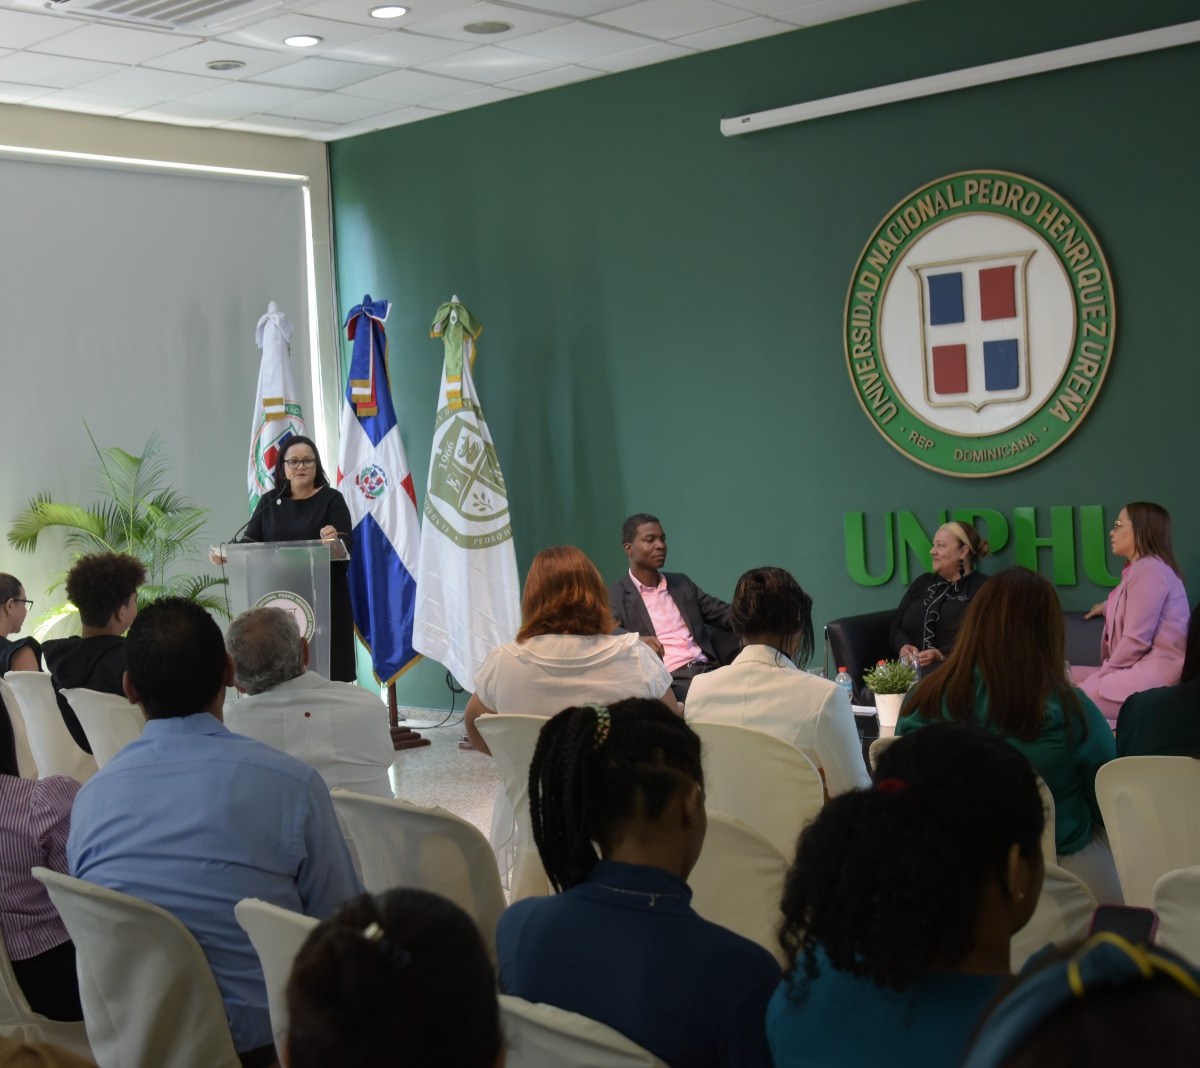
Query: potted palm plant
{"points": [[889, 681], [137, 513]]}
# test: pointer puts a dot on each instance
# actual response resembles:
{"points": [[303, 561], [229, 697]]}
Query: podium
{"points": [[292, 575]]}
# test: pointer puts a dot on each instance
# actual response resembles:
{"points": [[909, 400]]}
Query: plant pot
{"points": [[888, 707]]}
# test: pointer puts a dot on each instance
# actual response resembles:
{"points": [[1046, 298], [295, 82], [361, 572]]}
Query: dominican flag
{"points": [[375, 479], [277, 413], [975, 329]]}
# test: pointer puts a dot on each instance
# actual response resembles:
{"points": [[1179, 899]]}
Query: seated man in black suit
{"points": [[679, 621], [103, 586]]}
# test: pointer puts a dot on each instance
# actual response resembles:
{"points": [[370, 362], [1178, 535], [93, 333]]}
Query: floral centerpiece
{"points": [[889, 681]]}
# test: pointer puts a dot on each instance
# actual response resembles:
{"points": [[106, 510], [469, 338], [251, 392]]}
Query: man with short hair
{"points": [[193, 817], [679, 621], [103, 586], [336, 727]]}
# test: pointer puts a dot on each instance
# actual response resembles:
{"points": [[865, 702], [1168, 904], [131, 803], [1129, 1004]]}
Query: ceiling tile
{"points": [[316, 72], [20, 29], [670, 18], [640, 57], [193, 60], [401, 49], [379, 122], [277, 124], [175, 115], [451, 24], [154, 86], [578, 42], [11, 93], [485, 94], [334, 107], [489, 64], [115, 44], [734, 33], [237, 99], [579, 9], [269, 33], [812, 14], [406, 87], [83, 101], [551, 79], [56, 72], [359, 11]]}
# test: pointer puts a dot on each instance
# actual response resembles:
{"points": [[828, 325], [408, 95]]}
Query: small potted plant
{"points": [[889, 681]]}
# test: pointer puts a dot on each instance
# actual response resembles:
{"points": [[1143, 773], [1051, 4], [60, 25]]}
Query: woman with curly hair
{"points": [[565, 652], [899, 908], [621, 943]]}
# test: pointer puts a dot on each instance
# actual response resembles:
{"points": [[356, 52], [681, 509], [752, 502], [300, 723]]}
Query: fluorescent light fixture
{"points": [[301, 40], [1021, 67], [388, 11]]}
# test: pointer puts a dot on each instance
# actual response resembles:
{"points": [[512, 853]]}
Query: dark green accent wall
{"points": [[662, 306]]}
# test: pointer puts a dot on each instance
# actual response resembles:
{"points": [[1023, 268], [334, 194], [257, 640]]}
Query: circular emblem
{"points": [[371, 482], [980, 323], [467, 499], [297, 607]]}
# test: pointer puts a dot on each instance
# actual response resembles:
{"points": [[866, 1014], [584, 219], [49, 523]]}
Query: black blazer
{"points": [[706, 617]]}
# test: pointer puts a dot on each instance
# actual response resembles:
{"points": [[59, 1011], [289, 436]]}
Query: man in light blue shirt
{"points": [[194, 818]]}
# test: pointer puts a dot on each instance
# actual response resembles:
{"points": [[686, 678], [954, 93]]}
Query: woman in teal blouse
{"points": [[1006, 673]]}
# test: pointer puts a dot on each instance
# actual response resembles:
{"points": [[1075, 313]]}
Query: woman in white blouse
{"points": [[764, 689]]}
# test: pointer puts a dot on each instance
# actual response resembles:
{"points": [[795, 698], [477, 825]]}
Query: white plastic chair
{"points": [[402, 844], [26, 765], [738, 881], [149, 998], [1177, 902], [877, 748], [1151, 809], [110, 722], [21, 1024], [277, 935], [54, 750], [761, 780], [543, 1036], [1064, 911], [512, 739], [1049, 841]]}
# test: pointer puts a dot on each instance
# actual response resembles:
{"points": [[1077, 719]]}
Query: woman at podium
{"points": [[304, 507]]}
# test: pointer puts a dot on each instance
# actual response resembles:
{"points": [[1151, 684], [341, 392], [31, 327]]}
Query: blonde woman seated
{"points": [[564, 653], [764, 689]]}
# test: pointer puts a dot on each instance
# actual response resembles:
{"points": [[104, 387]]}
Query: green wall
{"points": [[662, 306]]}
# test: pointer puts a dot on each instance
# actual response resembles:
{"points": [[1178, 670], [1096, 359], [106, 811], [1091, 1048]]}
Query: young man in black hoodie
{"points": [[103, 587]]}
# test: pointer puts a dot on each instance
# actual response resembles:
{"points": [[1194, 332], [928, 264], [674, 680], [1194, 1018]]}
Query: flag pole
{"points": [[402, 737]]}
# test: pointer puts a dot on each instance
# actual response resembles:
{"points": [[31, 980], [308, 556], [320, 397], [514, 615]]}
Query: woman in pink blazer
{"points": [[1145, 617]]}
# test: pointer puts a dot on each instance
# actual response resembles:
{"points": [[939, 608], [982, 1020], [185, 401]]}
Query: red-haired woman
{"points": [[1145, 617], [565, 653]]}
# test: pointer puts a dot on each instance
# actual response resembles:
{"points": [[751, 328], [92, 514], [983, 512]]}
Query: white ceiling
{"points": [[366, 74]]}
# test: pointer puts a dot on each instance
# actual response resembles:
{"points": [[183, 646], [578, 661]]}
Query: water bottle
{"points": [[844, 680]]}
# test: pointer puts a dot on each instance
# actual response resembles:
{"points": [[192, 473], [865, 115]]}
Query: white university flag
{"points": [[277, 412], [468, 593]]}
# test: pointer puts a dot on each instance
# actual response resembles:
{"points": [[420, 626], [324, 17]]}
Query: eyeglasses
{"points": [[299, 463], [25, 601], [1118, 524]]}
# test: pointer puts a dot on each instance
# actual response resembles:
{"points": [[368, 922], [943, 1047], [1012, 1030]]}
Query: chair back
{"points": [[857, 643], [761, 780], [738, 881], [1064, 911], [149, 998], [1151, 810], [512, 739], [21, 1024], [1049, 841], [54, 750], [1083, 639], [26, 765], [1177, 902], [543, 1036], [277, 935], [110, 722], [877, 748], [402, 844]]}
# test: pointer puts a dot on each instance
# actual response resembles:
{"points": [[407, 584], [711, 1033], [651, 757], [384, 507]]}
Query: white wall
{"points": [[78, 339]]}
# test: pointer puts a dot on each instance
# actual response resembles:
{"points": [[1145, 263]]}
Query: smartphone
{"points": [[1134, 924]]}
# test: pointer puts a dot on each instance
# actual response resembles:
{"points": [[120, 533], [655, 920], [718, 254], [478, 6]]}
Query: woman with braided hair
{"points": [[403, 978], [899, 908], [621, 943]]}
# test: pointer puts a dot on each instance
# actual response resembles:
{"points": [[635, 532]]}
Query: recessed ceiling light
{"points": [[389, 11], [302, 40], [224, 64], [488, 27]]}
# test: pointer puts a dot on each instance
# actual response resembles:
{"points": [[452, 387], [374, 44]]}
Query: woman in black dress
{"points": [[23, 654], [303, 507]]}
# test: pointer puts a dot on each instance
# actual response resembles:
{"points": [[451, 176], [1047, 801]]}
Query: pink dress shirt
{"points": [[679, 646]]}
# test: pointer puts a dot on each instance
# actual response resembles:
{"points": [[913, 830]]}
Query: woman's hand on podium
{"points": [[217, 557]]}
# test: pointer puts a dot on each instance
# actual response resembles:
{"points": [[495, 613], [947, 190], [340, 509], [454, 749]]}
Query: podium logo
{"points": [[295, 606], [980, 323]]}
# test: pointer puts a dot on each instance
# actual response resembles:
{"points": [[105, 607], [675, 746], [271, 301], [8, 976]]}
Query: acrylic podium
{"points": [[292, 575]]}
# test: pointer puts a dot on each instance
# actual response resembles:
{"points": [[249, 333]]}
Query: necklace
{"points": [[639, 893]]}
